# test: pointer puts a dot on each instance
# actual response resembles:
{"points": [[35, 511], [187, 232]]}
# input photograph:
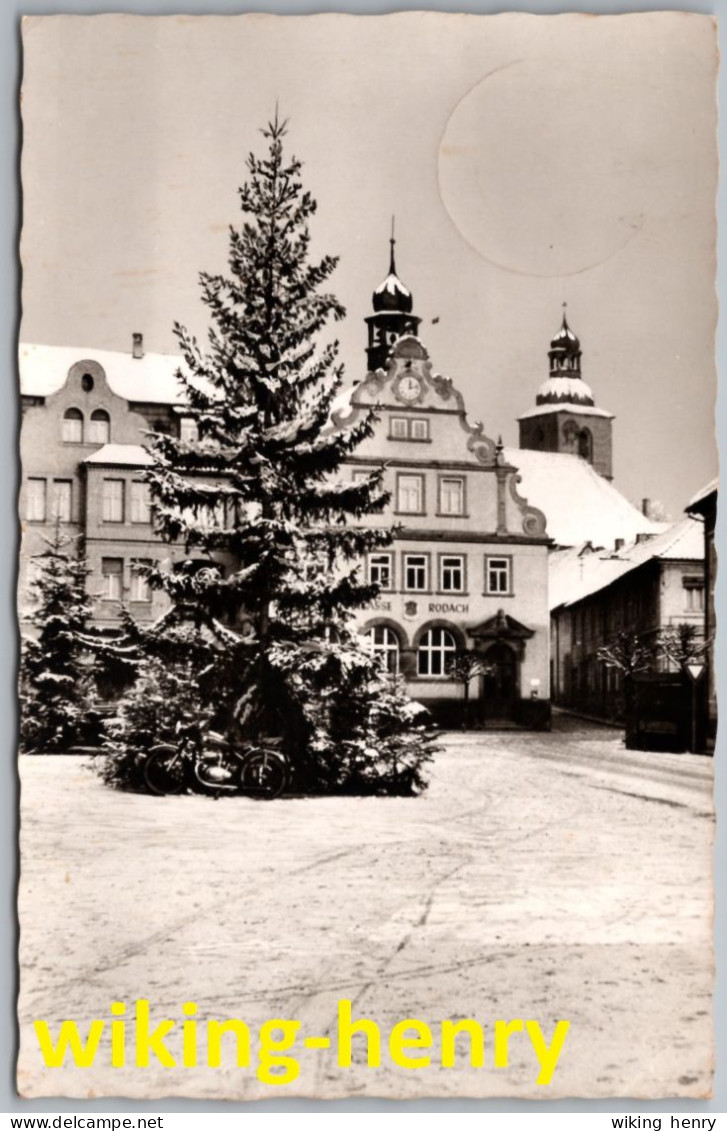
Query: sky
{"points": [[529, 161]]}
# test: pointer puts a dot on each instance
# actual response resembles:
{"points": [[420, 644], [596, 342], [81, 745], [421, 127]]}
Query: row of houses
{"points": [[529, 556]]}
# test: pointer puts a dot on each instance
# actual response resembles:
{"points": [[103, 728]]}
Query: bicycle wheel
{"points": [[263, 775], [164, 771]]}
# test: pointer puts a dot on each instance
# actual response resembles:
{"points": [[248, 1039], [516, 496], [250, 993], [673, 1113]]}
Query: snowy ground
{"points": [[543, 876]]}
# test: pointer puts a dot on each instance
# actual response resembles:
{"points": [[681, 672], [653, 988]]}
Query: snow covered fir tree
{"points": [[274, 547], [55, 677]]}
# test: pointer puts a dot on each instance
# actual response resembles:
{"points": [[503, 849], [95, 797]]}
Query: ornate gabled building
{"points": [[565, 418], [468, 566]]}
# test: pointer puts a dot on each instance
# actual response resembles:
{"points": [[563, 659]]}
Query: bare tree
{"points": [[683, 644], [629, 652], [464, 666]]}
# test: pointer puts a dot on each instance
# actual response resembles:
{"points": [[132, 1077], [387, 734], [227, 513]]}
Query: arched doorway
{"points": [[500, 684]]}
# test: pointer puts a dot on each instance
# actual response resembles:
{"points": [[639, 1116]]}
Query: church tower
{"points": [[566, 418], [392, 317]]}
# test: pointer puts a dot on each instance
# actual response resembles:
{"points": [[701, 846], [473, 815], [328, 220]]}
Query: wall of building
{"points": [[643, 601]]}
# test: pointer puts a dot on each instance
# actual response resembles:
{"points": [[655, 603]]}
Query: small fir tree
{"points": [[257, 502], [56, 675]]}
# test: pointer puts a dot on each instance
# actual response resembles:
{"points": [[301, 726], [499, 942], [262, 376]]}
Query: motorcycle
{"points": [[257, 770]]}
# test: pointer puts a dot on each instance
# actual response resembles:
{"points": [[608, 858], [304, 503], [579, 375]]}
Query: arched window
{"points": [[384, 643], [585, 445], [570, 435], [436, 651], [73, 426], [99, 431]]}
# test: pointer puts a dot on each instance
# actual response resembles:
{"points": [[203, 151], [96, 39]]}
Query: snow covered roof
{"points": [[579, 504], [150, 378], [572, 571], [567, 388], [565, 335], [702, 494], [393, 285], [580, 571], [121, 455], [566, 406]]}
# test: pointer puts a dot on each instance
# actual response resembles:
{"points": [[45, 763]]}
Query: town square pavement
{"points": [[542, 876]]}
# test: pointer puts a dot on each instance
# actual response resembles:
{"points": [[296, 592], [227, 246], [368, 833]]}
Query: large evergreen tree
{"points": [[55, 676], [271, 530]]}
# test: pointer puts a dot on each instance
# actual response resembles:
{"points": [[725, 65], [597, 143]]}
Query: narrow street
{"points": [[546, 876]]}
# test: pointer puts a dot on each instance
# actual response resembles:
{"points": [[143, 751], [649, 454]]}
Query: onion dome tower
{"points": [[392, 316], [566, 419]]}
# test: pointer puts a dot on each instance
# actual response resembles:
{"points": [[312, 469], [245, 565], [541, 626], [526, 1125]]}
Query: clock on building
{"points": [[409, 388]]}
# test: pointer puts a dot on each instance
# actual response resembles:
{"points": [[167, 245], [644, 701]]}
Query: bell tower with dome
{"points": [[565, 418], [392, 317]]}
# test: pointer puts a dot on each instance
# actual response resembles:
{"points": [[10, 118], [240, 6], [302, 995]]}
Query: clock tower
{"points": [[392, 317]]}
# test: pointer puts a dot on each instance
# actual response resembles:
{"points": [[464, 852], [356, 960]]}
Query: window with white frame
{"points": [[408, 428], [451, 573], [72, 427], [410, 494], [140, 588], [498, 575], [381, 571], [35, 500], [140, 501], [113, 500], [436, 651], [416, 573], [188, 430], [112, 576], [693, 594], [61, 500], [360, 474], [99, 428], [451, 495], [385, 644]]}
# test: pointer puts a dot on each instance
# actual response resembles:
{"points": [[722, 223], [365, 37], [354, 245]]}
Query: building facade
{"points": [[468, 566], [655, 584]]}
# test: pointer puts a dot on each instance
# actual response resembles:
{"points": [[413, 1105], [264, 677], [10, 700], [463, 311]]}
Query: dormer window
{"points": [[72, 429], [99, 429]]}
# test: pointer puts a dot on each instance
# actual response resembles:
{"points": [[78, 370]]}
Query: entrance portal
{"points": [[500, 685]]}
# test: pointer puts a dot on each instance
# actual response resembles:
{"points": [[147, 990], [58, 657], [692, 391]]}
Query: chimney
{"points": [[645, 507], [137, 346], [644, 537], [618, 544]]}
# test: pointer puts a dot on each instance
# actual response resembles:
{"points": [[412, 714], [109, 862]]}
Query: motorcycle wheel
{"points": [[263, 775], [164, 771]]}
